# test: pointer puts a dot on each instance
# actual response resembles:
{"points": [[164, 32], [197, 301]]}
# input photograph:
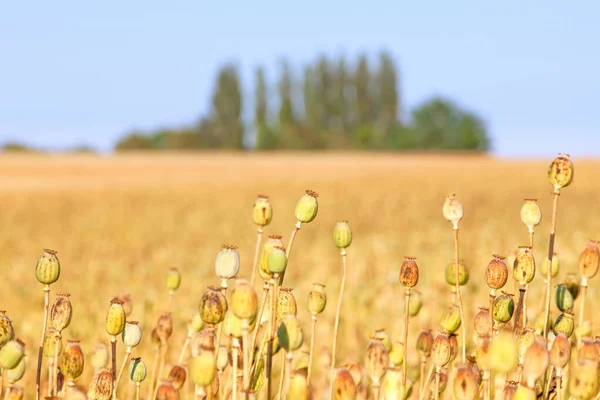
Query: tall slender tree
{"points": [[227, 109], [263, 139]]}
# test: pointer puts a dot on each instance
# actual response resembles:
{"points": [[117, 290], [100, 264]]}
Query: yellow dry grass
{"points": [[119, 223]]}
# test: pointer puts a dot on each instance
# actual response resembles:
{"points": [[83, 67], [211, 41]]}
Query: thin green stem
{"points": [[259, 234], [41, 349], [337, 322], [123, 365], [550, 255]]}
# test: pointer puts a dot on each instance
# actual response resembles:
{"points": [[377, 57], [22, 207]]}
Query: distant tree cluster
{"points": [[333, 105]]}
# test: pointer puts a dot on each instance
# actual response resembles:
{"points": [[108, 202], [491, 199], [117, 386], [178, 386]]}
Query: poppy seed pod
{"points": [[72, 362], [61, 312], [47, 270], [377, 360], [277, 260], [564, 298], [317, 299], [531, 215], [342, 234], [553, 269], [453, 346], [15, 374], [290, 333], [137, 370], [50, 343], [483, 354], [227, 262], [244, 302], [465, 385], [503, 352], [452, 210], [524, 265], [583, 380], [392, 388], [504, 306], [232, 325], [588, 350], [356, 372], [482, 323], [463, 274], [415, 303], [298, 389], [397, 353], [496, 273], [344, 387], [589, 260], [102, 387], [262, 212], [450, 320], [524, 341], [115, 318], [385, 339], [173, 279], [11, 354], [203, 340], [202, 368], [271, 242], [166, 391], [409, 272], [572, 284], [7, 332], [286, 303], [213, 306], [132, 334], [425, 343], [561, 171], [307, 207], [535, 362], [560, 352], [441, 351], [222, 358], [100, 357], [564, 324]]}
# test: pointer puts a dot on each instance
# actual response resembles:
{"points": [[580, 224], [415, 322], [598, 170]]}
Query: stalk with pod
{"points": [[589, 260], [131, 337], [496, 275], [317, 300], [409, 277], [262, 214], [227, 266], [60, 318], [114, 325], [523, 273], [531, 216]]}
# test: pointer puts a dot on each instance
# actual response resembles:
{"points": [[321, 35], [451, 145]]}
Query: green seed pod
{"points": [[342, 235], [14, 393], [298, 389], [47, 270], [463, 274], [583, 382], [100, 357], [415, 303], [524, 393], [61, 312], [72, 362], [564, 298], [227, 262], [504, 306], [555, 266], [272, 242], [203, 340], [196, 323], [7, 332], [290, 333], [465, 385], [397, 354], [589, 260], [392, 388], [102, 387], [317, 299], [50, 343], [232, 325], [115, 318], [262, 212], [385, 339], [482, 323], [286, 303], [244, 302], [166, 391], [409, 272], [572, 284], [564, 324], [222, 358], [524, 266], [524, 341], [202, 368], [560, 352], [213, 306], [503, 352], [450, 320], [452, 210], [561, 171], [483, 354], [11, 354], [127, 303], [15, 374], [277, 260], [173, 279], [535, 362], [531, 215], [307, 207], [587, 351], [441, 351], [344, 387], [132, 334], [137, 370], [377, 360], [425, 343], [496, 273]]}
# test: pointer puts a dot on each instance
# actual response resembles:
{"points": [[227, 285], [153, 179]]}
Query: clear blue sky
{"points": [[76, 72]]}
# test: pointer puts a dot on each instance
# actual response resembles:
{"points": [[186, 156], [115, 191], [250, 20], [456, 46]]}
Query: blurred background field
{"points": [[120, 222]]}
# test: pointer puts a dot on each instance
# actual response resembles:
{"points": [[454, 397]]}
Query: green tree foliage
{"points": [[334, 104]]}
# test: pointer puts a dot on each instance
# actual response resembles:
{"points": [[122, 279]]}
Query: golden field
{"points": [[120, 222]]}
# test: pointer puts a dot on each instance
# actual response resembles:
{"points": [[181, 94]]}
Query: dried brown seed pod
{"points": [[588, 350], [101, 388], [441, 351], [583, 382], [589, 260], [377, 360], [465, 385], [213, 306], [286, 303], [409, 272], [425, 343], [560, 172], [203, 340], [496, 273], [166, 391], [177, 376], [524, 265], [262, 212], [7, 332], [72, 361], [560, 352], [482, 323], [535, 362], [61, 312], [344, 387], [164, 327]]}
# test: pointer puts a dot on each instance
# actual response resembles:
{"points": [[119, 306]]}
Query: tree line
{"points": [[332, 104]]}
